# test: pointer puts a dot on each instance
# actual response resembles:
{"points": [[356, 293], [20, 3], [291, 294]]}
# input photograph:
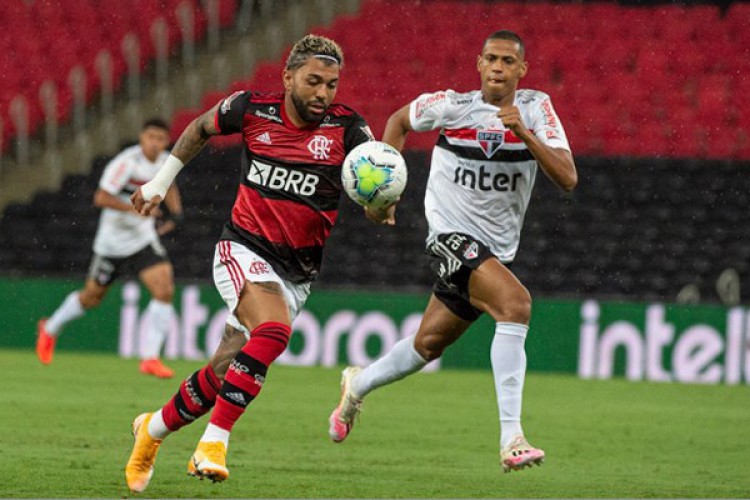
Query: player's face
{"points": [[501, 66], [312, 88], [153, 141]]}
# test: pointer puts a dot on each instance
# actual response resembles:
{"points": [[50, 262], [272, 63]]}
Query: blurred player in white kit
{"points": [[126, 243]]}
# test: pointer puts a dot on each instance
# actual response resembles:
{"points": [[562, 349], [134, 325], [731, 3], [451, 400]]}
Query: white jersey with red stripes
{"points": [[482, 174], [121, 234]]}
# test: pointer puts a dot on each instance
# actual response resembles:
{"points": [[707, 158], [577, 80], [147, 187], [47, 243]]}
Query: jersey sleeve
{"points": [[547, 127], [231, 113], [116, 175], [356, 133], [427, 112]]}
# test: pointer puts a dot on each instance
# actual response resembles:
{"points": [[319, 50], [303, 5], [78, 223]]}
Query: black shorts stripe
{"points": [[476, 153]]}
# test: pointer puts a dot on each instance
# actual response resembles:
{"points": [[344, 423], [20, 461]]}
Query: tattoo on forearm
{"points": [[190, 142]]}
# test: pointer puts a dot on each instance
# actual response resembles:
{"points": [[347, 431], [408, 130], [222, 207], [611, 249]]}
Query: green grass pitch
{"points": [[64, 432]]}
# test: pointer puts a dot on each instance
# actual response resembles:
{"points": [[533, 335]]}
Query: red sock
{"points": [[247, 372], [196, 396]]}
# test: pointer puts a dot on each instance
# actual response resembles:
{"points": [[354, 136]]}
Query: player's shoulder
{"points": [[254, 97], [339, 110], [529, 97], [129, 153]]}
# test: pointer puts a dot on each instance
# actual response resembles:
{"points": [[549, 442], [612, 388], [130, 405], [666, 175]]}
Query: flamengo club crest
{"points": [[490, 141], [320, 147]]}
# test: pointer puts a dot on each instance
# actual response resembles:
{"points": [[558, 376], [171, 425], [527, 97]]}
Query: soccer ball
{"points": [[374, 174]]}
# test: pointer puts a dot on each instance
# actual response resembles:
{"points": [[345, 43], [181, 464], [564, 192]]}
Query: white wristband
{"points": [[159, 185]]}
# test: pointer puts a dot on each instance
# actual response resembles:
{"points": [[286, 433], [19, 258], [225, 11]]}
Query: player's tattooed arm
{"points": [[196, 135]]}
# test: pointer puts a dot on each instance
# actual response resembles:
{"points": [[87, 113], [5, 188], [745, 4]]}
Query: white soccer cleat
{"points": [[519, 454], [342, 419]]}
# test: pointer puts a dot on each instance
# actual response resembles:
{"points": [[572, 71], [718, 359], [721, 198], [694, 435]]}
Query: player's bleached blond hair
{"points": [[315, 46]]}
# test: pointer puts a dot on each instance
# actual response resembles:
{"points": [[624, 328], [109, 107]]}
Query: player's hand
{"points": [[384, 215], [511, 117], [145, 207]]}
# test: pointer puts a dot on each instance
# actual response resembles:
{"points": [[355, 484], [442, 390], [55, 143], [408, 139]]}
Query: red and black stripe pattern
{"points": [[287, 201], [195, 397], [247, 372]]}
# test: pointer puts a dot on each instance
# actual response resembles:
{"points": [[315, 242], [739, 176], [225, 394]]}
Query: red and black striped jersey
{"points": [[290, 184]]}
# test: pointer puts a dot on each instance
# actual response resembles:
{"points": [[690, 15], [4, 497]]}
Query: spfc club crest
{"points": [[490, 141], [472, 251]]}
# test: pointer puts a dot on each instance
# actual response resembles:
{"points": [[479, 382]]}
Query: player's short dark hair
{"points": [[156, 123], [508, 35], [315, 46]]}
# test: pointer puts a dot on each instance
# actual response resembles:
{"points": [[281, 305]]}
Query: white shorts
{"points": [[234, 264]]}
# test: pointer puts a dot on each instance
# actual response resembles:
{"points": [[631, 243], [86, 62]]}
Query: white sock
{"points": [[160, 314], [157, 429], [69, 310], [509, 369], [399, 362], [215, 433]]}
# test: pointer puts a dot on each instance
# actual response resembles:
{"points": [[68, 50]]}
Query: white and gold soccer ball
{"points": [[374, 174]]}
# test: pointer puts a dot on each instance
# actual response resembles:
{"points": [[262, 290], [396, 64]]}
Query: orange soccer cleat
{"points": [[209, 461], [45, 343], [155, 367], [140, 466]]}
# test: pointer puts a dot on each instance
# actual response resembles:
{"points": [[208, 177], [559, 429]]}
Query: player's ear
{"points": [[524, 68], [479, 63], [286, 77]]}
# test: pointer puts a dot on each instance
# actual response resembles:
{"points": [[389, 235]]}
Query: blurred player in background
{"points": [[126, 243], [270, 250], [483, 169]]}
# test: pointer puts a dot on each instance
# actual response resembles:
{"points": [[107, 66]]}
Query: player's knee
{"points": [[518, 309], [231, 343], [164, 293], [430, 347], [515, 308], [90, 300]]}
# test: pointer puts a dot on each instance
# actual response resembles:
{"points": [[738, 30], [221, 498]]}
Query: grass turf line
{"points": [[65, 433]]}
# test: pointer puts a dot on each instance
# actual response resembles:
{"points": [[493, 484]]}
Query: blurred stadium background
{"points": [[641, 272], [648, 93]]}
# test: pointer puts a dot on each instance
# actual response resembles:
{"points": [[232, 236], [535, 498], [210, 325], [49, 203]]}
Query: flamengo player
{"points": [[126, 243], [483, 169], [270, 250]]}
